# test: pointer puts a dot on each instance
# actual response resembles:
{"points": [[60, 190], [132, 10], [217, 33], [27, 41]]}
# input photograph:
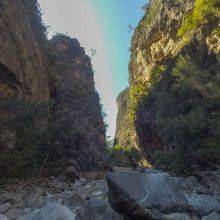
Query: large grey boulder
{"points": [[139, 195], [203, 204], [52, 211]]}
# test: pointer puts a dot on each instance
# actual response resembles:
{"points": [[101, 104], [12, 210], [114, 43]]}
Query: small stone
{"points": [[14, 213], [202, 204], [83, 181], [87, 197], [52, 211], [77, 210], [60, 201], [212, 216], [151, 171], [3, 217], [76, 199], [87, 186], [12, 197], [97, 193], [192, 179], [49, 196], [96, 209], [202, 189], [62, 178], [66, 186], [71, 173], [35, 202], [27, 211], [4, 207], [23, 194], [59, 186], [76, 185], [176, 216]]}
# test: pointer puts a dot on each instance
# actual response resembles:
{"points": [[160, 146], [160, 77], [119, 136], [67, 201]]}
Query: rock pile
{"points": [[128, 194], [56, 199]]}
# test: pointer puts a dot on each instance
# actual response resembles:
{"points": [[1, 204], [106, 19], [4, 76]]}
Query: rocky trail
{"points": [[134, 193], [56, 198]]}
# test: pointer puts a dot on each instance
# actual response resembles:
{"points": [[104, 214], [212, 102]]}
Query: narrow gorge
{"points": [[56, 161]]}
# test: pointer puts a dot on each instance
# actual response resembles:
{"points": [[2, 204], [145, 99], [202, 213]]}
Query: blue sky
{"points": [[100, 25]]}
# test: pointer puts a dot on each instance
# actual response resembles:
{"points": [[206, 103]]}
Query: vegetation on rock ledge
{"points": [[203, 13]]}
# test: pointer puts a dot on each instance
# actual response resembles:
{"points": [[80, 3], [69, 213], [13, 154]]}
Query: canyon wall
{"points": [[77, 110], [51, 119], [173, 102]]}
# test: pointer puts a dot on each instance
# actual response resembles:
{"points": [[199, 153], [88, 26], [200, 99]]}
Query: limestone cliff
{"points": [[22, 59], [174, 84], [50, 112], [123, 132], [76, 109]]}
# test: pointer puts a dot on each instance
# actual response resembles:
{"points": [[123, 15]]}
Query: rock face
{"points": [[76, 108], [174, 70], [153, 194], [123, 137], [50, 114], [22, 38]]}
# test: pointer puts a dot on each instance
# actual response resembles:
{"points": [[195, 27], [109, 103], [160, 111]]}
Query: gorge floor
{"points": [[59, 198]]}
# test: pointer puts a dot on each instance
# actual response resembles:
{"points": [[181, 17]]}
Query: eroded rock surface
{"points": [[157, 195]]}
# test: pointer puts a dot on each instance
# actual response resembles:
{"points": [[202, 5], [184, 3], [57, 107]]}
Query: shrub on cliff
{"points": [[140, 90], [123, 156], [33, 11], [187, 115], [203, 13], [25, 120], [137, 94]]}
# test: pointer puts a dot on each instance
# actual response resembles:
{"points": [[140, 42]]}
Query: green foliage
{"points": [[109, 142], [187, 115], [204, 12], [123, 156], [139, 91], [33, 11], [36, 139], [156, 75], [25, 119], [22, 113], [206, 81], [216, 32], [137, 94], [104, 116], [151, 12]]}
